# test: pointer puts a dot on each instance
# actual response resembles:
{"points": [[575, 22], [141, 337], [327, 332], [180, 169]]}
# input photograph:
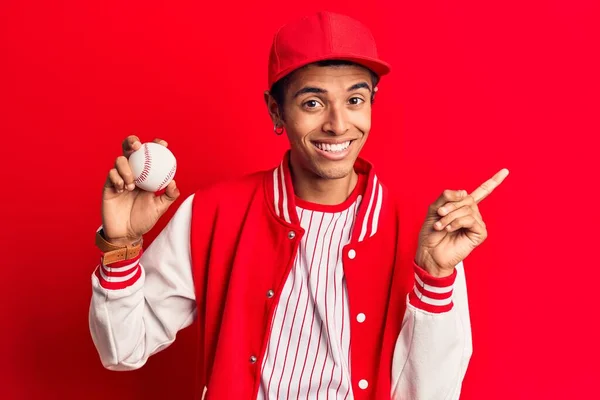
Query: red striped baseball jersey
{"points": [[308, 351]]}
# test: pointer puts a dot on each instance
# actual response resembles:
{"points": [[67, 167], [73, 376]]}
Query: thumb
{"points": [[164, 201]]}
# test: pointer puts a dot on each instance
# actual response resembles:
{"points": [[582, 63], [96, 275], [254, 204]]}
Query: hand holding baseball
{"points": [[129, 212], [454, 227]]}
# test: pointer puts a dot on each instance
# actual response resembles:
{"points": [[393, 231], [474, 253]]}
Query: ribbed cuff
{"points": [[119, 275], [430, 293]]}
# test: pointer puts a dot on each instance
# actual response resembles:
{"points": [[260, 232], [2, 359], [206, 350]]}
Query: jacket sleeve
{"points": [[434, 346], [139, 305]]}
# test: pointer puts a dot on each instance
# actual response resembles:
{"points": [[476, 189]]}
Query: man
{"points": [[294, 275]]}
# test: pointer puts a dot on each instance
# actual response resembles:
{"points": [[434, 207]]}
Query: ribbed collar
{"points": [[282, 199]]}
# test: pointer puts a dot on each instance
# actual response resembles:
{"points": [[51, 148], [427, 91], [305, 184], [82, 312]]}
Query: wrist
{"points": [[112, 252], [121, 242], [423, 260], [437, 272]]}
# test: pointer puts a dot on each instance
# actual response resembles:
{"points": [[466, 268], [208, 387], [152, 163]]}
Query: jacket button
{"points": [[252, 359], [363, 384], [270, 294], [351, 254], [291, 235], [361, 317]]}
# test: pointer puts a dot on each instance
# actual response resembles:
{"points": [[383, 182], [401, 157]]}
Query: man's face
{"points": [[327, 117]]}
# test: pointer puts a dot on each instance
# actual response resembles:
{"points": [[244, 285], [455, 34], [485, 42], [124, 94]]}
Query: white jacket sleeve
{"points": [[434, 346], [139, 305]]}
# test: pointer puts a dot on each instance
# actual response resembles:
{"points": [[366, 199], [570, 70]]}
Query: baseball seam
{"points": [[169, 176], [147, 164]]}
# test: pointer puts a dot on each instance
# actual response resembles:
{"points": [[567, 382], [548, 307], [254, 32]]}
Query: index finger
{"points": [[130, 144], [488, 186]]}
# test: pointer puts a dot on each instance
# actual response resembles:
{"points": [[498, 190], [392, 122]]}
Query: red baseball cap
{"points": [[323, 36]]}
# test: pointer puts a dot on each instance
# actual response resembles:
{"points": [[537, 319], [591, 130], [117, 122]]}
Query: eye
{"points": [[311, 104], [356, 101]]}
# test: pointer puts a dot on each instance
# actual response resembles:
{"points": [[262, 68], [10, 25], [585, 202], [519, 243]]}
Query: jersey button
{"points": [[361, 317], [252, 359], [291, 235], [363, 384], [270, 294], [351, 254]]}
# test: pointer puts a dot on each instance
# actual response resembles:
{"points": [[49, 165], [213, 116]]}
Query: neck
{"points": [[315, 189]]}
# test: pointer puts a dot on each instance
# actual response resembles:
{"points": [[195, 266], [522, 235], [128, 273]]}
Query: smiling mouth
{"points": [[333, 148]]}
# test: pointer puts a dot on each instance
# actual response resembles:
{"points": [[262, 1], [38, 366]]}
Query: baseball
{"points": [[153, 167]]}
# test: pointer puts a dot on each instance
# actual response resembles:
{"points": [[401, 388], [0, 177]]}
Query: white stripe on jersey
{"points": [[284, 191], [308, 353]]}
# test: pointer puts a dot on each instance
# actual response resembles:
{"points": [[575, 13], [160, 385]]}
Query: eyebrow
{"points": [[313, 89]]}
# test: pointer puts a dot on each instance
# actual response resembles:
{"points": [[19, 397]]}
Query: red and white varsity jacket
{"points": [[229, 245]]}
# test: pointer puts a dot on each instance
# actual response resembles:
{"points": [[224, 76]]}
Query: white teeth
{"points": [[333, 148]]}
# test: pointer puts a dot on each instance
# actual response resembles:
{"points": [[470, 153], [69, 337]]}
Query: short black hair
{"points": [[279, 88]]}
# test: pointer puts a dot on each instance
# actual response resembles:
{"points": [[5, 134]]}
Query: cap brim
{"points": [[379, 67]]}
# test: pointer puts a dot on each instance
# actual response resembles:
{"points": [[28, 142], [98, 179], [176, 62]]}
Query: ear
{"points": [[375, 89], [273, 108]]}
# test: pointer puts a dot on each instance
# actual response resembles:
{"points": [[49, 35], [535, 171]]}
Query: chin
{"points": [[337, 171]]}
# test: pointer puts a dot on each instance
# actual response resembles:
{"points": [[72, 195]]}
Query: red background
{"points": [[476, 86]]}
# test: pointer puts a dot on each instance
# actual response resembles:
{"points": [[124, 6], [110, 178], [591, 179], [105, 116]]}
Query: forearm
{"points": [[138, 306], [116, 321], [434, 346]]}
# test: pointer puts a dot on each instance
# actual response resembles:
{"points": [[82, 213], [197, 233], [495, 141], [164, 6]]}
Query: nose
{"points": [[336, 122]]}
